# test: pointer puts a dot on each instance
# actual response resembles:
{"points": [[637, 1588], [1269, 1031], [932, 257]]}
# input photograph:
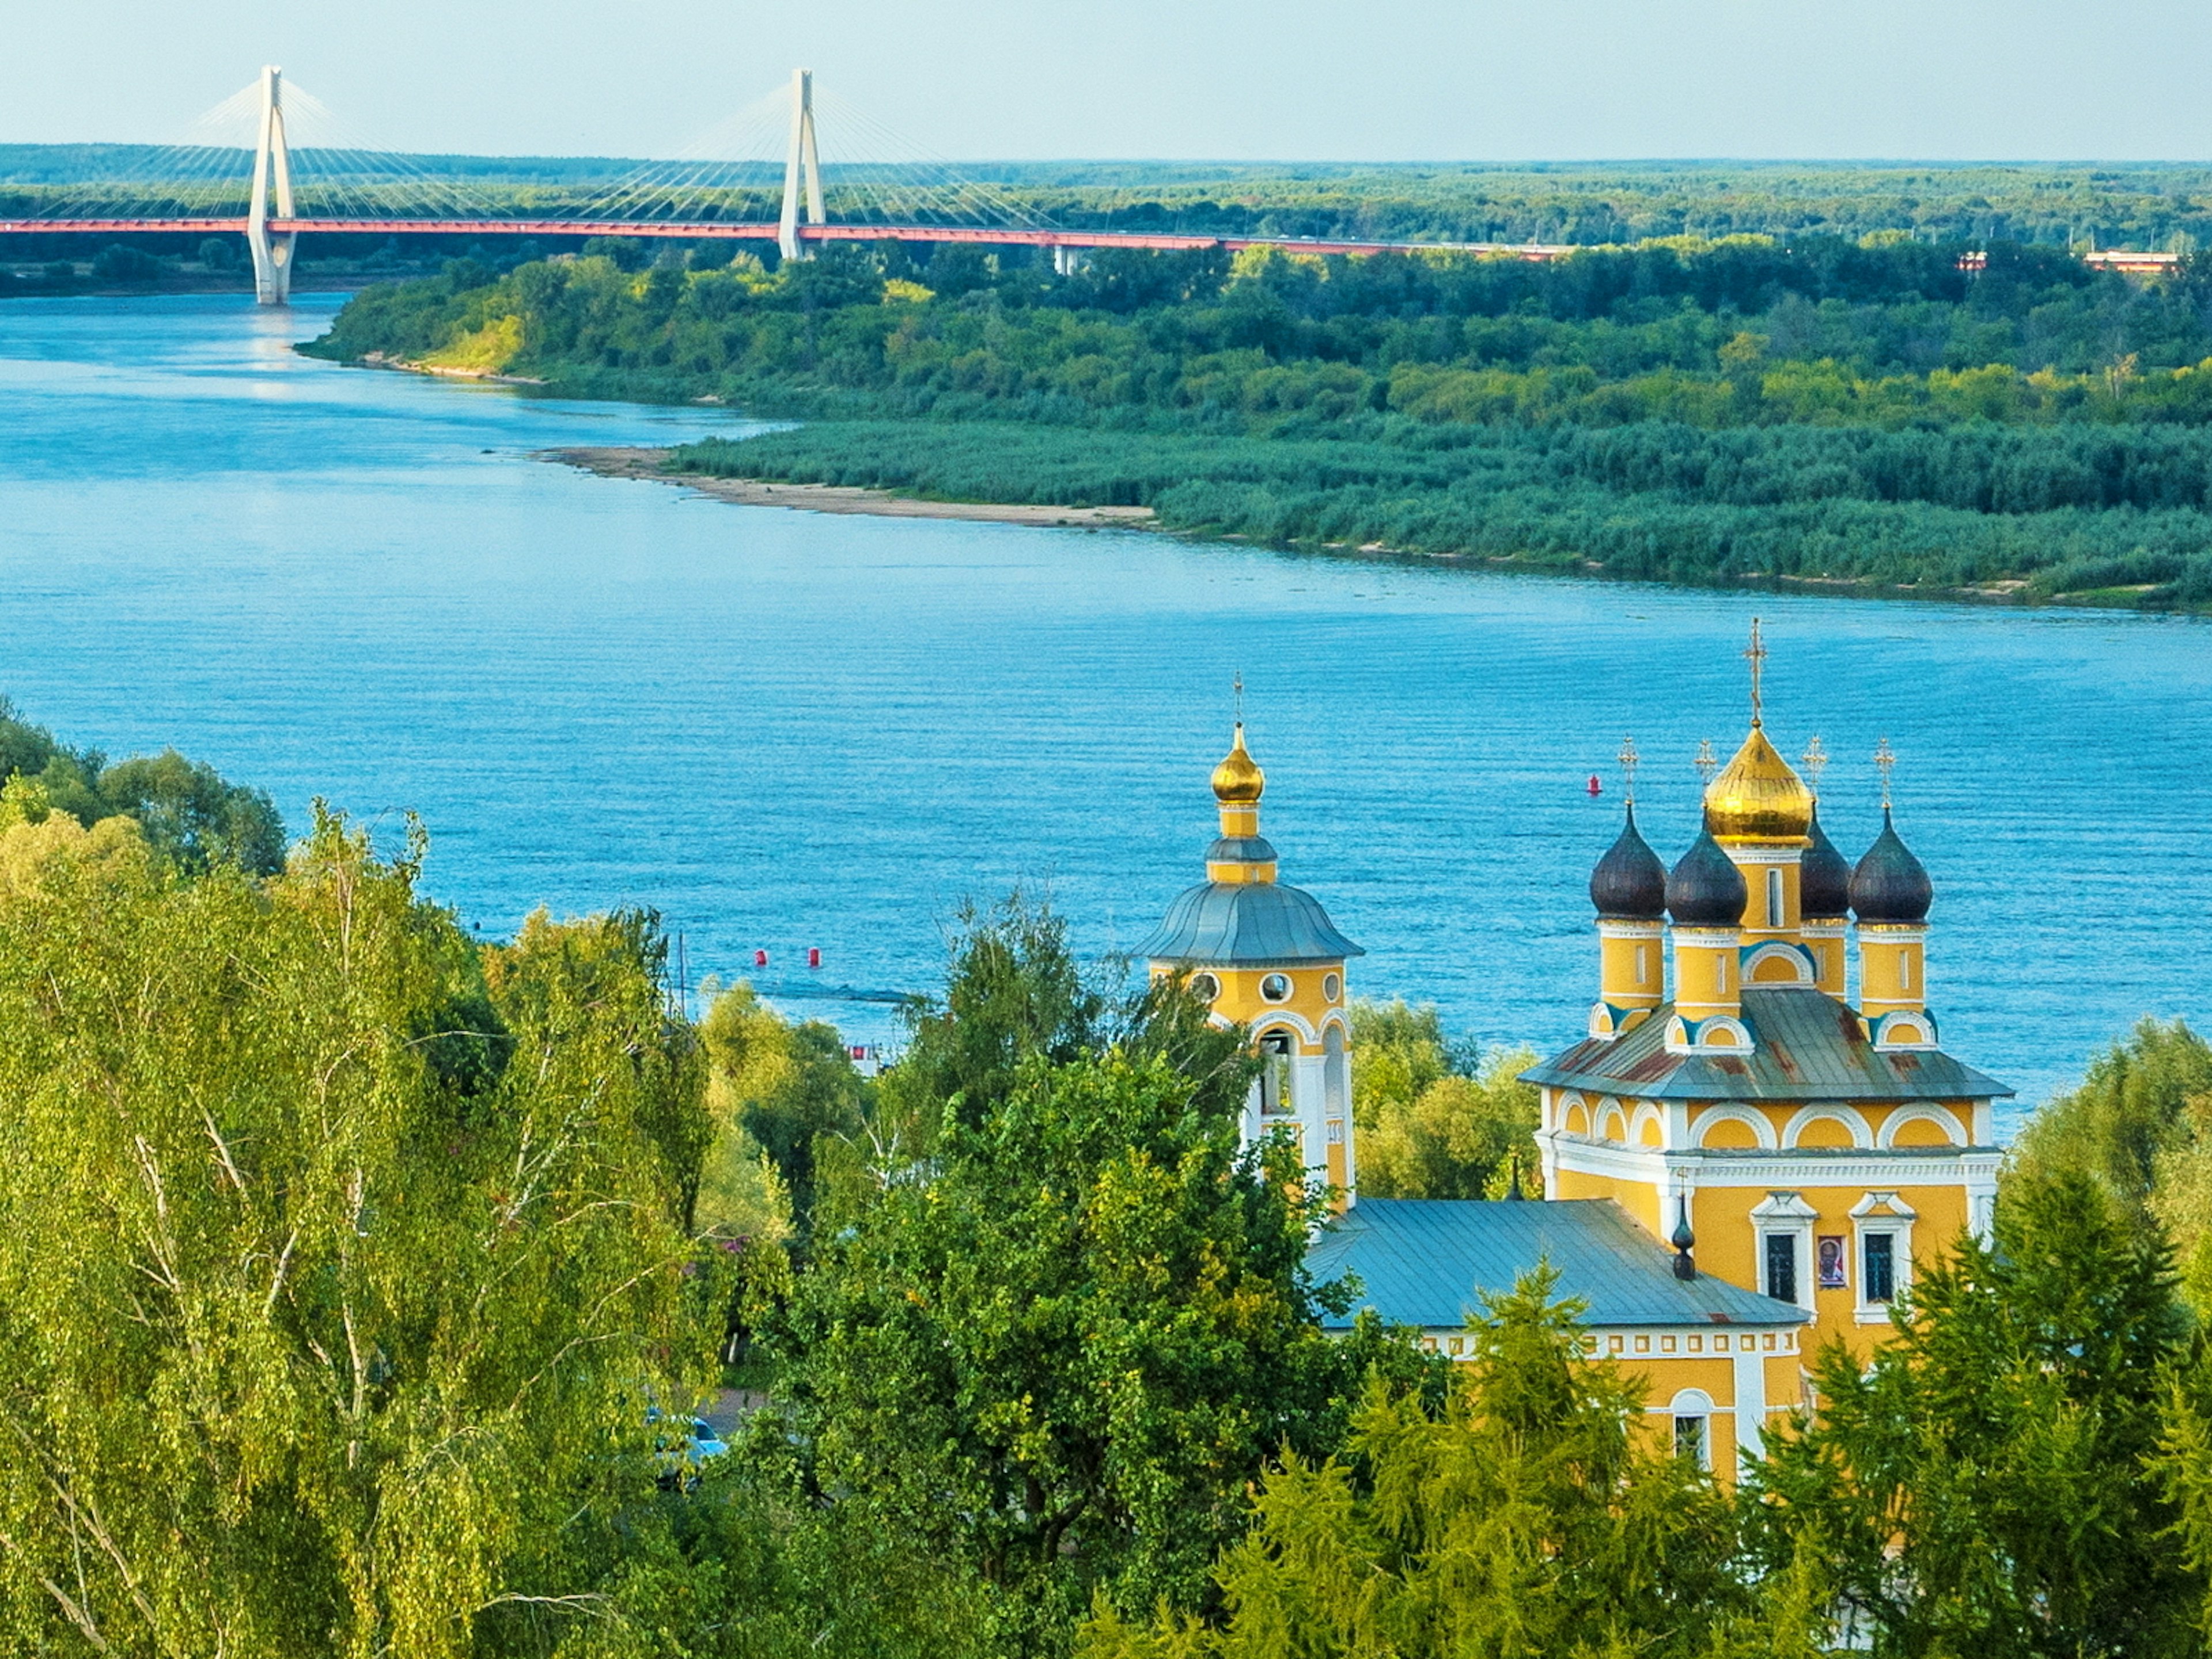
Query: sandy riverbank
{"points": [[638, 463]]}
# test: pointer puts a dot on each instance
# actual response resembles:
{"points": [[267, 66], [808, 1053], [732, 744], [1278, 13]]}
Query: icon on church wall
{"points": [[1831, 1253]]}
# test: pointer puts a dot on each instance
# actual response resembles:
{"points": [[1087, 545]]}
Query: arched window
{"points": [[1693, 1412], [1773, 899], [1643, 964], [1905, 970], [1275, 1073], [1335, 1072]]}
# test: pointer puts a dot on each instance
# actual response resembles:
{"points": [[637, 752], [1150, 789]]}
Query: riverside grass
{"points": [[2096, 516]]}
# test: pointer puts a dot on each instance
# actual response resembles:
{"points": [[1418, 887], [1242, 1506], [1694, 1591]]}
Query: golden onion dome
{"points": [[1758, 797], [1238, 781]]}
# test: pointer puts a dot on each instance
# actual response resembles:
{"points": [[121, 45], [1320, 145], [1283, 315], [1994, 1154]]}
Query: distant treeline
{"points": [[1684, 410], [1588, 203]]}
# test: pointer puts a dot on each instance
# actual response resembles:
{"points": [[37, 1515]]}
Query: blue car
{"points": [[680, 1460]]}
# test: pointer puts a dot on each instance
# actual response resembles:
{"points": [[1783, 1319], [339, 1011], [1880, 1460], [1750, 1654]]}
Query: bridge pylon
{"points": [[801, 159], [272, 163]]}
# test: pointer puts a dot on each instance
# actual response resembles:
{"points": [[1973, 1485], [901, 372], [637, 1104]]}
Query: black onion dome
{"points": [[1824, 876], [1630, 884], [1705, 889], [1890, 884]]}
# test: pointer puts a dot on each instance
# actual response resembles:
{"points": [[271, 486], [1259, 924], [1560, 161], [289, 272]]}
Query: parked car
{"points": [[681, 1458]]}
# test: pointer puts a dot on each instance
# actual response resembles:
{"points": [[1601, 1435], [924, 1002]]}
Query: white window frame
{"points": [[1693, 1404], [1773, 897], [1881, 1212], [1786, 1214]]}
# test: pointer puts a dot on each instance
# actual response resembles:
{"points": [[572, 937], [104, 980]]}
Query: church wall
{"points": [[1729, 1246], [1639, 1198]]}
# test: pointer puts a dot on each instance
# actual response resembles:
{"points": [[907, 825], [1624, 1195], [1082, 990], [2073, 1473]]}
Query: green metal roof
{"points": [[1806, 1046], [1428, 1261], [1245, 924]]}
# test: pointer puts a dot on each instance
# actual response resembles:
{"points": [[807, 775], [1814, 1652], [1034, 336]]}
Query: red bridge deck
{"points": [[1158, 241]]}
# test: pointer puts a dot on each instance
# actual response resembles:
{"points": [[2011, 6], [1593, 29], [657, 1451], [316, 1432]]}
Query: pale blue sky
{"points": [[1383, 80]]}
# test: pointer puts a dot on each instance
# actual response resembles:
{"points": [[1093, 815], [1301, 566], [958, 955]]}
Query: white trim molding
{"points": [[1716, 1033], [1909, 1030], [1799, 959], [1786, 1214], [1852, 1120], [1922, 1111], [1875, 1214], [1761, 1127], [1795, 1167], [1695, 1402]]}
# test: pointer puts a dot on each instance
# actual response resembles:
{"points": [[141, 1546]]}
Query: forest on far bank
{"points": [[1871, 411]]}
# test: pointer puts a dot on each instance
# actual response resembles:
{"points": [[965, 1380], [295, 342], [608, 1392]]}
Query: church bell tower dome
{"points": [[1705, 889], [1630, 884], [1827, 878], [1238, 781], [1890, 885], [1757, 796]]}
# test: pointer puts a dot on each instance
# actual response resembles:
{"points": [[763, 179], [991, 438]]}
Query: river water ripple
{"points": [[786, 730]]}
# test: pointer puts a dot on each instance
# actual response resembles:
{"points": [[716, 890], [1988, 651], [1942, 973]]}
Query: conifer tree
{"points": [[1530, 1517], [1989, 1483]]}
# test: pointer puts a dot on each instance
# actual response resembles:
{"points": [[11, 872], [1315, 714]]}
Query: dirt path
{"points": [[625, 462]]}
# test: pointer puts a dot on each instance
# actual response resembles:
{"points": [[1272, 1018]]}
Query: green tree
{"points": [[780, 1092], [2130, 1112], [188, 813], [1427, 1128], [1987, 1486], [1013, 992], [1060, 1354], [1528, 1517], [314, 1339], [1054, 1347], [192, 815]]}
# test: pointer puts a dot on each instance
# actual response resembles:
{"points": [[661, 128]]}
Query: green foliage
{"points": [[308, 1343], [1052, 1344], [777, 1092], [1062, 1353], [1430, 1127], [2134, 1118], [753, 1565], [1731, 410], [1013, 992], [121, 265], [188, 813], [1987, 1485], [1525, 1518]]}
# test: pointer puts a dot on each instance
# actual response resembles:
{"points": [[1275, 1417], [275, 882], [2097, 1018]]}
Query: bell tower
{"points": [[1266, 955]]}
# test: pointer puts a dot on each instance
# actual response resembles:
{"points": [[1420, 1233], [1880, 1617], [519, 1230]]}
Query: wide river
{"points": [[786, 729]]}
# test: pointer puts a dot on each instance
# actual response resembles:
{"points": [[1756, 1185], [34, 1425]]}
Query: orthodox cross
{"points": [[1816, 761], [1884, 759], [1708, 762], [1756, 656], [1237, 685], [1628, 757]]}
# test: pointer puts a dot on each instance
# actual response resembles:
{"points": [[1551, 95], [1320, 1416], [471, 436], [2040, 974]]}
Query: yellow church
{"points": [[1740, 1161]]}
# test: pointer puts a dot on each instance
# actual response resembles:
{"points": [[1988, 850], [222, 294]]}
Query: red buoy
{"points": [[760, 959], [1595, 787], [813, 956]]}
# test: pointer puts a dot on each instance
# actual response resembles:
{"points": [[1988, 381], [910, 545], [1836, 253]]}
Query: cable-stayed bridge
{"points": [[271, 163]]}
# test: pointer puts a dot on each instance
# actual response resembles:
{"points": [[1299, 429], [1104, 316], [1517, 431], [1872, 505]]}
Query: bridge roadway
{"points": [[1156, 241]]}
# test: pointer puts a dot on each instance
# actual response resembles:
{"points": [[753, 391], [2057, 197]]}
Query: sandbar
{"points": [[647, 463]]}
